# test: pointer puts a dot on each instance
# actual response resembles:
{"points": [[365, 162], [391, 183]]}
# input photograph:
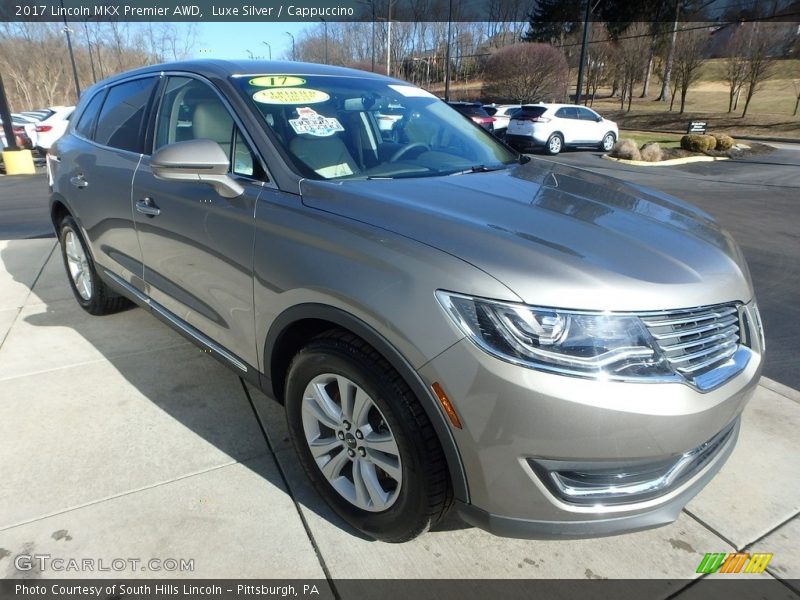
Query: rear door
{"points": [[97, 165], [198, 249], [569, 124]]}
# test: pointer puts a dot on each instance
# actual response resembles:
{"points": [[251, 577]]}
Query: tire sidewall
{"points": [[411, 502], [603, 141], [560, 146], [69, 224]]}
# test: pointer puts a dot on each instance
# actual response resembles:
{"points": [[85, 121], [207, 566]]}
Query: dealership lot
{"points": [[122, 440]]}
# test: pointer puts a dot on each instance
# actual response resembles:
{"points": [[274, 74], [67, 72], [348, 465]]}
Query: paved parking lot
{"points": [[120, 439]]}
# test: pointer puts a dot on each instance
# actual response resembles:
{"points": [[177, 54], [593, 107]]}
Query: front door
{"points": [[198, 249]]}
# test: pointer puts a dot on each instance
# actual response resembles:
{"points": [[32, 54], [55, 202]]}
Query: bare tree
{"points": [[527, 73], [796, 84], [735, 65], [688, 60], [632, 52], [670, 54], [759, 61]]}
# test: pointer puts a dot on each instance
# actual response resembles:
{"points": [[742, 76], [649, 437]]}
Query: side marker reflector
{"points": [[446, 404]]}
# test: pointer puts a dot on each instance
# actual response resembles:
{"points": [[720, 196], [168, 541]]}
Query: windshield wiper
{"points": [[478, 169]]}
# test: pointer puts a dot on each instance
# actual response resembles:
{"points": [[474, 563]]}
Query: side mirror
{"points": [[599, 119], [196, 160]]}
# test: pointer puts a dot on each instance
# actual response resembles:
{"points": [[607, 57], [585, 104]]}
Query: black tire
{"points": [[552, 146], [101, 299], [603, 144], [425, 494]]}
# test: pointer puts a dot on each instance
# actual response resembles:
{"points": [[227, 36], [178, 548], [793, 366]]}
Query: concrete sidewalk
{"points": [[119, 440]]}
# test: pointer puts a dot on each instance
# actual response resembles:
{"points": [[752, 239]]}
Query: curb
{"points": [[779, 388], [665, 163]]}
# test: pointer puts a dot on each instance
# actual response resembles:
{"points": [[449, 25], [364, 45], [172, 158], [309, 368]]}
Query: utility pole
{"points": [[325, 24], [268, 48], [583, 51]]}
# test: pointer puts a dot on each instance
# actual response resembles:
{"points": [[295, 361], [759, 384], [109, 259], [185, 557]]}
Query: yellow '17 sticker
{"points": [[290, 96], [277, 81]]}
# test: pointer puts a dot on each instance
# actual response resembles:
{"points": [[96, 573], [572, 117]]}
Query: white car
{"points": [[556, 126], [502, 114], [44, 133]]}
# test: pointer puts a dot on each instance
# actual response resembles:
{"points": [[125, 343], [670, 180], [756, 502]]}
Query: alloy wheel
{"points": [[351, 442], [78, 265]]}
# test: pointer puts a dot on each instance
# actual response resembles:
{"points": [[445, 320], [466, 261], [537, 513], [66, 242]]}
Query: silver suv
{"points": [[555, 352]]}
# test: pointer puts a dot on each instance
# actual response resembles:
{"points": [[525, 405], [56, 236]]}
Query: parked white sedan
{"points": [[556, 126]]}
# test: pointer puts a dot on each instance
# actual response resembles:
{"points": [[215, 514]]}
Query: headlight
{"points": [[603, 345]]}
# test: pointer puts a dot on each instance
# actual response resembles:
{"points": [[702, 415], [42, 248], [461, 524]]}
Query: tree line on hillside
{"points": [[36, 68]]}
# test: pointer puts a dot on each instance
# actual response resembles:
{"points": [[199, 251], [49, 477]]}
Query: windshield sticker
{"points": [[341, 170], [410, 91], [310, 122], [277, 81], [288, 95]]}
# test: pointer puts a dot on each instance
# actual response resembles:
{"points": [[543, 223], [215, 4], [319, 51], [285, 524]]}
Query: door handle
{"points": [[146, 206], [78, 181]]}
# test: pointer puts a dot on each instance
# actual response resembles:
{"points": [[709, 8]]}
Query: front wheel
{"points": [[554, 144], [608, 142], [364, 440]]}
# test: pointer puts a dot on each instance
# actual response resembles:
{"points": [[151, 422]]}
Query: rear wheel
{"points": [[364, 440], [554, 144], [91, 293]]}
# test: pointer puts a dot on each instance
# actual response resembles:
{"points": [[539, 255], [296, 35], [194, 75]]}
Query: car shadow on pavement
{"points": [[173, 375]]}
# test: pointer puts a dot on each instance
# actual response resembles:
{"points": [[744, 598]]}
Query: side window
{"points": [[561, 113], [85, 125], [586, 114], [243, 160], [191, 110], [120, 122]]}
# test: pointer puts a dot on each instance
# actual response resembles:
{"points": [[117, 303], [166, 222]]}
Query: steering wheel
{"points": [[406, 149]]}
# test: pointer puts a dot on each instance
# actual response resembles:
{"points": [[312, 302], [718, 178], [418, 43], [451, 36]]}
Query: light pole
{"points": [[291, 36], [447, 53], [71, 55], [269, 48], [91, 57]]}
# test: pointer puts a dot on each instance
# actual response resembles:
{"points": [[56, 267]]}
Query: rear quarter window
{"points": [[119, 124], [85, 124]]}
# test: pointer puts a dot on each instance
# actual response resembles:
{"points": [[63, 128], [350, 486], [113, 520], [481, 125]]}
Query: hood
{"points": [[556, 236]]}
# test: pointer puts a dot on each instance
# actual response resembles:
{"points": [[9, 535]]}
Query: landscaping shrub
{"points": [[651, 152], [698, 143], [724, 142], [626, 149]]}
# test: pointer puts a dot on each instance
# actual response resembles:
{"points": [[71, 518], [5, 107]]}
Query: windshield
{"points": [[334, 127]]}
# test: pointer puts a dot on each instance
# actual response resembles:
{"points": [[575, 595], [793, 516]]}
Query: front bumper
{"points": [[515, 418]]}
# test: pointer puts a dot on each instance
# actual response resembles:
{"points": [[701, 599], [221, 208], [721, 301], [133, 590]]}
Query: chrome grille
{"points": [[696, 341]]}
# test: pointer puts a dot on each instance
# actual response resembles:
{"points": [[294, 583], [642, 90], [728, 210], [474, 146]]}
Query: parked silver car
{"points": [[555, 352]]}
